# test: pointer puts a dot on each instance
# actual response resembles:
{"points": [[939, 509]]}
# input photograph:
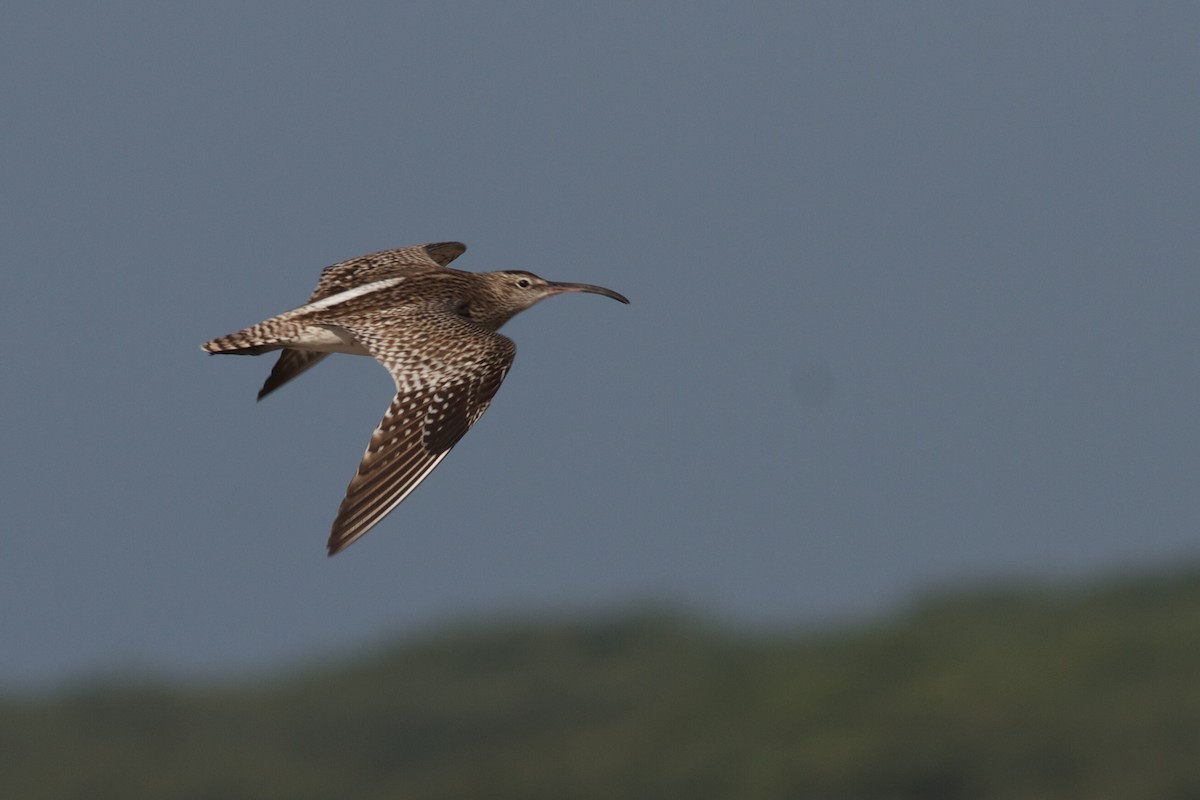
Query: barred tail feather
{"points": [[255, 340]]}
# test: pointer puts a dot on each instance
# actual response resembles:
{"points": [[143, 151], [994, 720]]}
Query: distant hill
{"points": [[1026, 693]]}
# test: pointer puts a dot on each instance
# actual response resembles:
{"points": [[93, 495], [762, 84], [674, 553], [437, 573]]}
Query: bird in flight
{"points": [[433, 328]]}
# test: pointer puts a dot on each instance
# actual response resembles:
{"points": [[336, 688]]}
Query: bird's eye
{"points": [[524, 283]]}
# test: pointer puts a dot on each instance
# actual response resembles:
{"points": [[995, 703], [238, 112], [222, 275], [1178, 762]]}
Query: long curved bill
{"points": [[587, 287]]}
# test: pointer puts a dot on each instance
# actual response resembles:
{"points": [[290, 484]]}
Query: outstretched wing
{"points": [[290, 364], [447, 371], [355, 272], [385, 264]]}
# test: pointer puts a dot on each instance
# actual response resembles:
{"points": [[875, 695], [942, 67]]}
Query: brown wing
{"points": [[447, 371], [355, 272], [385, 264], [290, 364]]}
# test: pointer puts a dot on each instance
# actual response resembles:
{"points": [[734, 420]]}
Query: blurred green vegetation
{"points": [[1027, 693]]}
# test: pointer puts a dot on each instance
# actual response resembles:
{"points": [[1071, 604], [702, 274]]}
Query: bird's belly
{"points": [[327, 339]]}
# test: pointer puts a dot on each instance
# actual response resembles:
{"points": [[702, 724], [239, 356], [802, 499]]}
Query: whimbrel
{"points": [[433, 328]]}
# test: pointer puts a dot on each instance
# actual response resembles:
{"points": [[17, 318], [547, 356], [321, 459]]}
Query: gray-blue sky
{"points": [[914, 300]]}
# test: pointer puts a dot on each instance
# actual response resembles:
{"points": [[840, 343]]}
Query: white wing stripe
{"points": [[349, 294]]}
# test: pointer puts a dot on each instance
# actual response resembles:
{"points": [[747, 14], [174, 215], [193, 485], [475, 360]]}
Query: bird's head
{"points": [[516, 290]]}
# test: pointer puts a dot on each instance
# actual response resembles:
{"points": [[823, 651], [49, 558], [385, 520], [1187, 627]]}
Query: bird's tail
{"points": [[273, 334]]}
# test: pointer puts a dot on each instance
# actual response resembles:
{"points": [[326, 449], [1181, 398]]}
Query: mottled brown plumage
{"points": [[433, 328]]}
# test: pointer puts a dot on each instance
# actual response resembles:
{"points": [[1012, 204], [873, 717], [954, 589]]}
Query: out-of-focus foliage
{"points": [[1003, 694]]}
